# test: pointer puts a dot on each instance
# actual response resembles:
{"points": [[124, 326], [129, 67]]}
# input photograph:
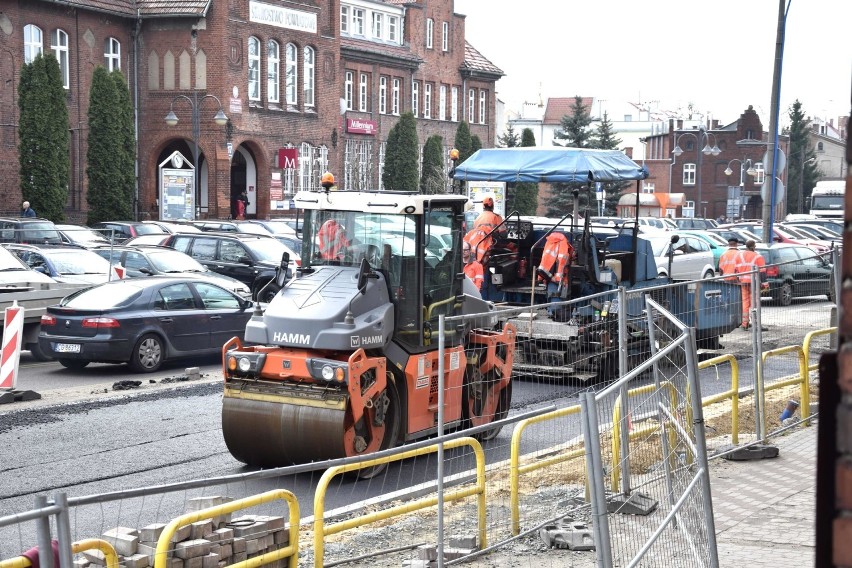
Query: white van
{"points": [[827, 199]]}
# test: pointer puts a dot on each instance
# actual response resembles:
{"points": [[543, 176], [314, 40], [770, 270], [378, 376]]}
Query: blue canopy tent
{"points": [[555, 165]]}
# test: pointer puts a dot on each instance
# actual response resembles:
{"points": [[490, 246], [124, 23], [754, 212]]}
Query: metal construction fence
{"points": [[637, 360]]}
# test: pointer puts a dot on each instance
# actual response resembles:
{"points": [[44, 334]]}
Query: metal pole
{"points": [[45, 547], [594, 475], [441, 350], [63, 530], [700, 443], [624, 390], [757, 357], [772, 145], [196, 136], [699, 160]]}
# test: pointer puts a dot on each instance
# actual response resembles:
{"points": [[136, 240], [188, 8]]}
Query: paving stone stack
{"points": [[211, 543], [427, 554]]}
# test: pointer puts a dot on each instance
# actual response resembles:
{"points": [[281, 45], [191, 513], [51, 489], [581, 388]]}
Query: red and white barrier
{"points": [[13, 332], [117, 272]]}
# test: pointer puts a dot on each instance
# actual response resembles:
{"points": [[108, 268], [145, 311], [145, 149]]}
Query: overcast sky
{"points": [[717, 55]]}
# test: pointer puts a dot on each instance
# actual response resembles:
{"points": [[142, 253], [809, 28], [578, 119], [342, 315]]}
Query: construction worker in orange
{"points": [[332, 240], [472, 267], [488, 219], [750, 260], [730, 260], [555, 264], [490, 223]]}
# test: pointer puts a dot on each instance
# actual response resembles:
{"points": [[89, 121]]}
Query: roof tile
{"points": [[477, 62], [145, 7], [557, 107]]}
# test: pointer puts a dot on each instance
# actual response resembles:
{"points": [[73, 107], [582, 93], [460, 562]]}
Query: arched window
{"points": [[292, 73], [253, 69], [819, 147], [32, 42], [272, 65], [308, 73], [59, 45], [112, 54]]}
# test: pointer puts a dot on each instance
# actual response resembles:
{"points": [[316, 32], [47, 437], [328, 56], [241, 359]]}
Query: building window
{"points": [[358, 21], [112, 54], [383, 95], [272, 69], [628, 118], [60, 49], [305, 162], [760, 175], [292, 74], [471, 105], [395, 98], [430, 31], [647, 187], [32, 43], [689, 174], [347, 90], [482, 107], [427, 100], [454, 104], [344, 20], [362, 93], [393, 26], [308, 72], [442, 103], [378, 25], [253, 69], [445, 37], [415, 98]]}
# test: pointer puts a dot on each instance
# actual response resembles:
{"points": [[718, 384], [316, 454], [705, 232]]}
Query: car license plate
{"points": [[67, 348]]}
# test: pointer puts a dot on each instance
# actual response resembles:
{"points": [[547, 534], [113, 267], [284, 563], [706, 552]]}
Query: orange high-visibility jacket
{"points": [[332, 240], [749, 260], [557, 253], [473, 270], [480, 243], [729, 263]]}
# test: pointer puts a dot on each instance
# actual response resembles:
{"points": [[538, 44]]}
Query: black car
{"points": [[29, 230], [147, 260], [796, 271], [249, 258], [142, 322]]}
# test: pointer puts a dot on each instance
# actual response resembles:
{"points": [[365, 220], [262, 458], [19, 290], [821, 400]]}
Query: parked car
{"points": [[64, 263], [818, 233], [142, 322], [741, 235], [274, 226], [231, 227], [142, 261], [14, 272], [147, 240], [691, 258], [251, 259], [120, 231], [29, 230], [832, 224], [80, 235], [695, 223], [175, 226], [795, 271], [717, 244]]}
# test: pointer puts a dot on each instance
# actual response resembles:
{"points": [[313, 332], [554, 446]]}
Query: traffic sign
{"points": [[766, 189], [782, 160]]}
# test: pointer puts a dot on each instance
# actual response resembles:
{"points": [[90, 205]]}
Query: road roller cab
{"points": [[343, 361]]}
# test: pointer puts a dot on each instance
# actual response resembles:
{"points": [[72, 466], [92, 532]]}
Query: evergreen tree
{"points": [[475, 144], [604, 138], [402, 155], [44, 145], [576, 133], [110, 195], [802, 171], [433, 179], [462, 142], [525, 200], [509, 139], [575, 126]]}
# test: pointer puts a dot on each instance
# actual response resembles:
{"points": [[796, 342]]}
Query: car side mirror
{"points": [[146, 271], [244, 260]]}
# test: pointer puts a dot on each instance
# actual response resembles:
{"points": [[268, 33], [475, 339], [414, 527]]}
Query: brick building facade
{"points": [[277, 70]]}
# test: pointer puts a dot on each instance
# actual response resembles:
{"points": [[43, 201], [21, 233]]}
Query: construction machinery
{"points": [[344, 359]]}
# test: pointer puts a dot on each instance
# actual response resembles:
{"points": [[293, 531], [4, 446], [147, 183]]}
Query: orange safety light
{"points": [[327, 180]]}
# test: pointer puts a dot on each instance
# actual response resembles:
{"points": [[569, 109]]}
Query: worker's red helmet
{"points": [[488, 202]]}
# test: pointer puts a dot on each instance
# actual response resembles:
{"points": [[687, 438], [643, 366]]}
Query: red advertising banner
{"points": [[361, 126], [288, 158]]}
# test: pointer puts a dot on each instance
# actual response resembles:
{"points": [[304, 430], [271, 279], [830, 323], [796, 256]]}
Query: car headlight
{"points": [[328, 370], [245, 364]]}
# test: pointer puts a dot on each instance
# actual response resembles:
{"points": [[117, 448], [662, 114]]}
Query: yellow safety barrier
{"points": [[733, 393], [291, 550], [110, 556], [803, 380], [615, 478], [806, 345], [321, 530], [515, 469]]}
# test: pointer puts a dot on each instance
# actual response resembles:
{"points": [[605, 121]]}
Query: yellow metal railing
{"points": [[806, 345], [515, 467], [110, 556], [733, 393], [803, 379], [291, 550], [321, 530]]}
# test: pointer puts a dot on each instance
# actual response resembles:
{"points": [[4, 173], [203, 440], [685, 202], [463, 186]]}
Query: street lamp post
{"points": [[703, 136], [746, 167], [172, 120]]}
